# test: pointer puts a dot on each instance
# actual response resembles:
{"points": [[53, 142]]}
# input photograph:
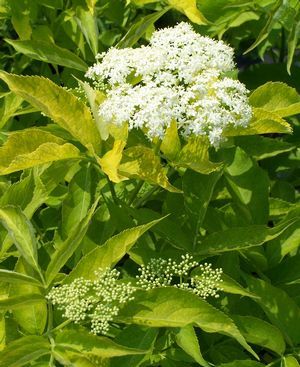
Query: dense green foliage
{"points": [[72, 202]]}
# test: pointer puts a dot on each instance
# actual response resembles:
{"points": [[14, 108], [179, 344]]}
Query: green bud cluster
{"points": [[97, 301], [163, 273]]}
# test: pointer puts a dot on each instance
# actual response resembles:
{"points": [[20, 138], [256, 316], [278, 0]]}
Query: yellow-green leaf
{"points": [[110, 162], [189, 8], [195, 155], [31, 147], [58, 104], [170, 145], [263, 122], [276, 97], [141, 162]]}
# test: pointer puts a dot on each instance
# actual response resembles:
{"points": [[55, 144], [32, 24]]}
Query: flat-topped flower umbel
{"points": [[180, 76]]}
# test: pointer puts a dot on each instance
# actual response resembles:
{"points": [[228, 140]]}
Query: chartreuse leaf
{"points": [[263, 122], [261, 333], [16, 302], [109, 254], [240, 238], [290, 361], [189, 8], [111, 160], [69, 246], [172, 307], [187, 339], [21, 232], [142, 163], [195, 155], [281, 310], [58, 104], [276, 97], [95, 98], [48, 52], [138, 29], [31, 147], [84, 342], [33, 317], [23, 351], [170, 144], [10, 276]]}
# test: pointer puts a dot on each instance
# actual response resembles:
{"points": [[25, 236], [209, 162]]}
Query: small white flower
{"points": [[179, 76]]}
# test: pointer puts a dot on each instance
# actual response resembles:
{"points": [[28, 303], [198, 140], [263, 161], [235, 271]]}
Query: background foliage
{"points": [[62, 217]]}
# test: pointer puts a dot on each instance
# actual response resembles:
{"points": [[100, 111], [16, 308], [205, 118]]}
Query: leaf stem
{"points": [[135, 192]]}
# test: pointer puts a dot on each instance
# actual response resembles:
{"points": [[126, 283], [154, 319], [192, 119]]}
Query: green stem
{"points": [[112, 190], [61, 326], [144, 198], [135, 192]]}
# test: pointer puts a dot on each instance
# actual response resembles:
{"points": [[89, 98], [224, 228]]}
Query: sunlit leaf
{"points": [[32, 147], [48, 52], [172, 307], [58, 104]]}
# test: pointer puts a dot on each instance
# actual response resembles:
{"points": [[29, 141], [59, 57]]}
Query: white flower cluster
{"points": [[180, 76], [96, 301], [163, 273]]}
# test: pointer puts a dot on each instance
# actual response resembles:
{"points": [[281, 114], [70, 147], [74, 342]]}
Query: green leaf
{"points": [[198, 190], [86, 343], [260, 147], [48, 52], [292, 42], [195, 155], [10, 104], [261, 333], [276, 97], [69, 246], [21, 232], [10, 276], [189, 8], [229, 285], [276, 15], [286, 272], [13, 303], [281, 310], [58, 104], [20, 12], [172, 307], [23, 351], [135, 336], [240, 238], [77, 203], [139, 28], [187, 339], [142, 163], [243, 363], [31, 147], [88, 25], [290, 361], [108, 254], [263, 122], [32, 317], [170, 144], [249, 186]]}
